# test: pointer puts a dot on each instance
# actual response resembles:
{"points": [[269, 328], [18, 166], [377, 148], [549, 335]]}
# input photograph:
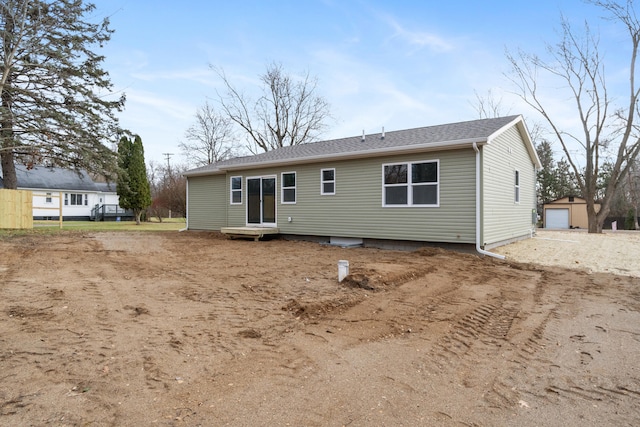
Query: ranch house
{"points": [[470, 183], [73, 192]]}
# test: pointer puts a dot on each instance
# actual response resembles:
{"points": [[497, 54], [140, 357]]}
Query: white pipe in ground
{"points": [[343, 269]]}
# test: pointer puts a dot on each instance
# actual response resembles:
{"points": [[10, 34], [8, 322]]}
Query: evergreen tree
{"points": [[555, 179], [546, 178], [55, 103], [133, 186]]}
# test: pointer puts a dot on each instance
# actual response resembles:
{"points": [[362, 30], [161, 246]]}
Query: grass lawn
{"points": [[45, 227]]}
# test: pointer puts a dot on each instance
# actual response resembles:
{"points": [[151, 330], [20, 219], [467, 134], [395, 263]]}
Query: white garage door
{"points": [[557, 218]]}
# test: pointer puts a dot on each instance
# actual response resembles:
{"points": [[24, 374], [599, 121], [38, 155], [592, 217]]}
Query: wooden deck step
{"points": [[256, 233]]}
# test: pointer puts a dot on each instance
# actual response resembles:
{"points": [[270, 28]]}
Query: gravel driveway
{"points": [[610, 252]]}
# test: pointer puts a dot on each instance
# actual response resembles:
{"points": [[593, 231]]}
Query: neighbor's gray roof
{"points": [[48, 178], [447, 136]]}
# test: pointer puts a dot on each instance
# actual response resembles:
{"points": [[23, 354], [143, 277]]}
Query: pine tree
{"points": [[56, 103], [132, 186]]}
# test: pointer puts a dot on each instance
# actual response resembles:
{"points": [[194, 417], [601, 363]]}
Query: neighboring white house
{"points": [[79, 197]]}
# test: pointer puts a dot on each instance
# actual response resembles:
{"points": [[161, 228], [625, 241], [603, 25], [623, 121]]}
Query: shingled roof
{"points": [[440, 137], [49, 178]]}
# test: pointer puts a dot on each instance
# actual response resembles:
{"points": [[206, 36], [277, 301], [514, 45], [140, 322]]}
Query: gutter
{"points": [[478, 248]]}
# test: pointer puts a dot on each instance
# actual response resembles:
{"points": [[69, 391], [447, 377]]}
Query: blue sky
{"points": [[397, 64]]}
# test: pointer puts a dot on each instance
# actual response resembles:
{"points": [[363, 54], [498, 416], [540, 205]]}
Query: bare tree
{"points": [[289, 112], [576, 61], [488, 106], [168, 191], [633, 191], [210, 139]]}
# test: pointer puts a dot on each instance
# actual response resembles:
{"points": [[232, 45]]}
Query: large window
{"points": [[517, 186], [236, 190], [411, 184], [75, 199], [328, 181], [288, 187]]}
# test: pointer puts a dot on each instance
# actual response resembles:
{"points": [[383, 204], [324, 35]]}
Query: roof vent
{"points": [[382, 133], [362, 135]]}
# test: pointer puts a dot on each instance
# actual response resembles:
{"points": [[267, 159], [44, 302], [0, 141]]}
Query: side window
{"points": [[328, 181], [66, 199], [48, 198], [517, 186], [236, 190], [288, 187]]}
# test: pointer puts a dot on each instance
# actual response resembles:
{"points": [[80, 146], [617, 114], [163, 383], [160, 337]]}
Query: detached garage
{"points": [[567, 212]]}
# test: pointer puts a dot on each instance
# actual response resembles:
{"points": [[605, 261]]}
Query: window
{"points": [[236, 190], [328, 181], [411, 184], [288, 187], [48, 198], [517, 187], [76, 199]]}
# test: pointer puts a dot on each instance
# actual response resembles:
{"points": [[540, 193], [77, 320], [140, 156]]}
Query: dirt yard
{"points": [[192, 329]]}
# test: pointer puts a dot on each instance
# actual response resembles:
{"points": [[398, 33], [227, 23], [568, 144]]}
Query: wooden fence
{"points": [[16, 209]]}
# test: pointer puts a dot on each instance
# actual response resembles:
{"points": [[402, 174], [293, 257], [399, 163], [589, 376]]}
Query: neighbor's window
{"points": [[236, 190], [76, 199], [48, 198], [328, 181], [411, 184], [288, 187], [517, 186], [86, 200]]}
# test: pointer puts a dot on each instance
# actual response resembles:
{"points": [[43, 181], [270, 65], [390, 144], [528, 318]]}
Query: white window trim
{"points": [[231, 190], [516, 187], [322, 182], [48, 198], [282, 188], [409, 185]]}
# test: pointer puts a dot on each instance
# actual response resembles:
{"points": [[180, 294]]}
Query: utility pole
{"points": [[168, 156], [168, 174]]}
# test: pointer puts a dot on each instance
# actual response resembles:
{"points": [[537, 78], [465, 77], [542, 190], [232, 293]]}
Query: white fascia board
{"points": [[407, 149], [204, 173]]}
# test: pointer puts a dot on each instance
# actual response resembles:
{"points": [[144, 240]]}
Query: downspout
{"points": [[186, 227], [478, 248]]}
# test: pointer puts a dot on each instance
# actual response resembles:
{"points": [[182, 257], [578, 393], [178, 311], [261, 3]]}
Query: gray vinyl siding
{"points": [[356, 209], [502, 218], [236, 213], [207, 208]]}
